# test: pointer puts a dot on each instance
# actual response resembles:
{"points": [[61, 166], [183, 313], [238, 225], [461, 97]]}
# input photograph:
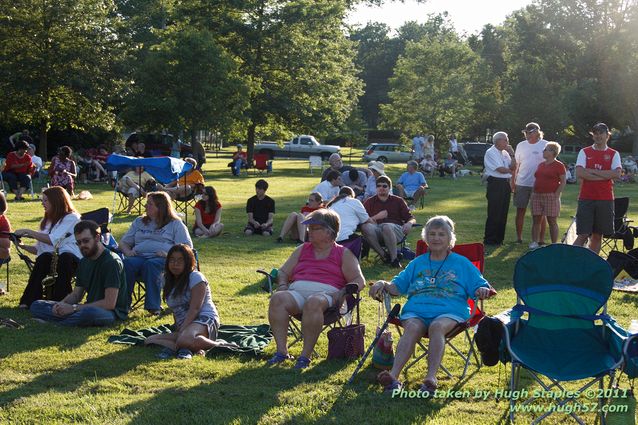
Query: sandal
{"points": [[166, 354], [388, 382], [278, 358], [302, 363], [428, 387], [184, 354]]}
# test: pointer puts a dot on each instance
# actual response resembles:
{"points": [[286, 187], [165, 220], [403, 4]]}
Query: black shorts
{"points": [[595, 217]]}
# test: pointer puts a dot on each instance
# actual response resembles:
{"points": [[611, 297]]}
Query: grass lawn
{"points": [[50, 374]]}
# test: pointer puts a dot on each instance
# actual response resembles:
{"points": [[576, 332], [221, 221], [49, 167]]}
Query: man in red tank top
{"points": [[596, 168]]}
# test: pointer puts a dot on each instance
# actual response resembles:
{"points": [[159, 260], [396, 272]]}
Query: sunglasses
{"points": [[383, 185], [532, 131]]}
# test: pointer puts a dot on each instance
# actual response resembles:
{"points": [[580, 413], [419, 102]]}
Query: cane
{"points": [[394, 313]]}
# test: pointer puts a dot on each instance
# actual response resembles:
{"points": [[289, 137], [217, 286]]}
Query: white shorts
{"points": [[301, 290]]}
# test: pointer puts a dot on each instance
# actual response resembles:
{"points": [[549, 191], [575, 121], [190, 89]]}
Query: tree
{"points": [[59, 63], [433, 89], [187, 81]]}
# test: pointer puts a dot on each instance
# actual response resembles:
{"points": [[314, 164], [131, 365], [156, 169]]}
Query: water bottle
{"points": [[633, 328]]}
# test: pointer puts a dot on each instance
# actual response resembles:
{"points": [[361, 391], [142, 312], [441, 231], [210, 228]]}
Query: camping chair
{"points": [[354, 243], [475, 252], [315, 161], [261, 163], [563, 289], [622, 230], [333, 316], [138, 295]]}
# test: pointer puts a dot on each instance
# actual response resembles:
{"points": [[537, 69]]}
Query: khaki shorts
{"points": [[398, 231], [301, 290], [522, 196]]}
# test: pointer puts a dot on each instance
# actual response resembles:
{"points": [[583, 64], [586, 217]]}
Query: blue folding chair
{"points": [[566, 335]]}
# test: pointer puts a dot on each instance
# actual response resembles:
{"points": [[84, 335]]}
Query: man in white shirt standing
{"points": [[529, 153], [499, 163]]}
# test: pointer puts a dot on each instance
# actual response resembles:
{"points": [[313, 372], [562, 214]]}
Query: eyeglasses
{"points": [[548, 150], [177, 260], [531, 131], [383, 185], [80, 242]]}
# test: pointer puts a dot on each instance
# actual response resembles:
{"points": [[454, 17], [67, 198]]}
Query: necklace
{"points": [[433, 278]]}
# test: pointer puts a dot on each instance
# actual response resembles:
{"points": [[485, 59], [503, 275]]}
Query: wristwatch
{"points": [[75, 308]]}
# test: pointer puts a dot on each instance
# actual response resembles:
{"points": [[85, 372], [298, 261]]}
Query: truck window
{"points": [[306, 141]]}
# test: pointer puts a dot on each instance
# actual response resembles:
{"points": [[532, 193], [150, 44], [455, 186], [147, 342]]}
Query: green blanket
{"points": [[248, 339]]}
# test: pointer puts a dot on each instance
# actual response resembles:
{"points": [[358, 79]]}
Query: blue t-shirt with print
{"points": [[411, 182], [455, 282]]}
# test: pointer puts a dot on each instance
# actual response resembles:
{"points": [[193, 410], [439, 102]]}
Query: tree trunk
{"points": [[634, 147], [43, 141], [250, 140]]}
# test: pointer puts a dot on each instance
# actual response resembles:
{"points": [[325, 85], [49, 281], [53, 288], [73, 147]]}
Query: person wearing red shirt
{"points": [[550, 180], [596, 168], [208, 215], [17, 169], [240, 159]]}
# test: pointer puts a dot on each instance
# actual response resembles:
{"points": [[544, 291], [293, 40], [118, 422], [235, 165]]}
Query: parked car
{"points": [[387, 152], [158, 144], [475, 152], [302, 146]]}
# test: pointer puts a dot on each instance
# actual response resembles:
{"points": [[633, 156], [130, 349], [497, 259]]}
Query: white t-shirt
{"points": [[327, 190], [454, 146], [495, 159], [351, 213], [528, 156], [62, 230], [417, 144]]}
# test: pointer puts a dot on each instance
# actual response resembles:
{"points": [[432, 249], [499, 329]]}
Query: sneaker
{"points": [[279, 239], [302, 363], [428, 387], [388, 382], [396, 264], [533, 245], [184, 354], [278, 358], [166, 354]]}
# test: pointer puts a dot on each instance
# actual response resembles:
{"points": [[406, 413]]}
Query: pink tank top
{"points": [[327, 270]]}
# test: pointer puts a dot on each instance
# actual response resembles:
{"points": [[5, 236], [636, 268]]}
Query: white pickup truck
{"points": [[302, 146]]}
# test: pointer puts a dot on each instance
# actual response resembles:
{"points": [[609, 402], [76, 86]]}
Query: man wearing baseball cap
{"points": [[596, 168], [529, 153]]}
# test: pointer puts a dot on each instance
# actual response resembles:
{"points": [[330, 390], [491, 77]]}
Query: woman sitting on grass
{"points": [[293, 224], [438, 285], [187, 293], [208, 215]]}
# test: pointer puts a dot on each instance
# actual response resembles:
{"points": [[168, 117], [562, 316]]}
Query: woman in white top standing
{"points": [[56, 229], [351, 212]]}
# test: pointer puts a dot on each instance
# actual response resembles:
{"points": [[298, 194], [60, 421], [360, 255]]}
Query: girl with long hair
{"points": [[56, 228], [63, 170], [208, 215], [187, 293], [293, 224]]}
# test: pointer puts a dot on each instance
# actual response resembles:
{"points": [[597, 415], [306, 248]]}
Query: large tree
{"points": [[186, 81], [59, 63], [433, 87]]}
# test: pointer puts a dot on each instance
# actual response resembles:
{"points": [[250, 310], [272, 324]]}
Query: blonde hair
{"points": [[554, 145]]}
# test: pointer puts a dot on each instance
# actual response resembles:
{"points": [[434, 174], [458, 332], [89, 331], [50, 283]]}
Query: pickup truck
{"points": [[299, 147]]}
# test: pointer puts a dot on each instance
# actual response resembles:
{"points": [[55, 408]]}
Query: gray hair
{"points": [[440, 222], [413, 163], [499, 135]]}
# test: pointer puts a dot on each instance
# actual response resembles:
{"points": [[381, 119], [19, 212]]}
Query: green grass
{"points": [[57, 375]]}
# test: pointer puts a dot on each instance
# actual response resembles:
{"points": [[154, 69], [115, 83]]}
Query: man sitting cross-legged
{"points": [[391, 221], [101, 275]]}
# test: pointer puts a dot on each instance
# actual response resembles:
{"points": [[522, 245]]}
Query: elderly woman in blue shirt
{"points": [[438, 285], [147, 243]]}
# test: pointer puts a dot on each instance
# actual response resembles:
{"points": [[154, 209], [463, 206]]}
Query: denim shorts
{"points": [[211, 324]]}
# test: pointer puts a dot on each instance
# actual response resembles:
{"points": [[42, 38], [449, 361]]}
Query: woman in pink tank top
{"points": [[312, 279]]}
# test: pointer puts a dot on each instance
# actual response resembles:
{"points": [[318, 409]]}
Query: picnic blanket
{"points": [[248, 339]]}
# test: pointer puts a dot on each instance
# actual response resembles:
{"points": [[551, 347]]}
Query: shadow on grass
{"points": [[71, 377], [252, 392]]}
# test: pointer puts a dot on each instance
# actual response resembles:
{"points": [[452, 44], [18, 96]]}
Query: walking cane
{"points": [[394, 313]]}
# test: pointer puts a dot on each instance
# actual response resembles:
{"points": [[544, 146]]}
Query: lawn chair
{"points": [[622, 230], [315, 161], [332, 317], [563, 289], [261, 163], [475, 252]]}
